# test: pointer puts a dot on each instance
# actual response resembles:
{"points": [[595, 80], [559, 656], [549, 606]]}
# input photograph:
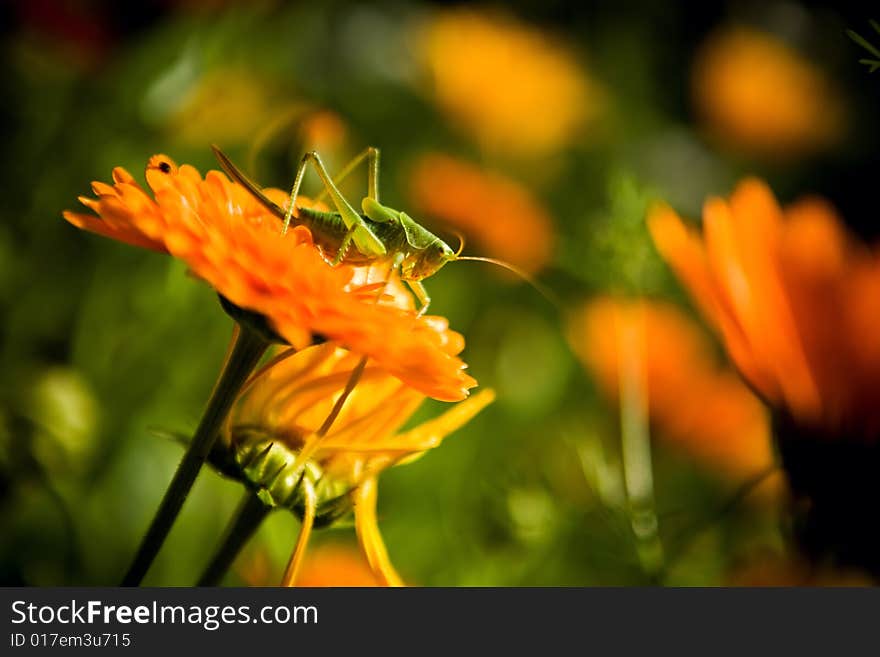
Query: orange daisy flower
{"points": [[499, 213], [797, 302], [230, 240], [696, 405], [313, 430]]}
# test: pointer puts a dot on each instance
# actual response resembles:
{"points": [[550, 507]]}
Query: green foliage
{"points": [[872, 64]]}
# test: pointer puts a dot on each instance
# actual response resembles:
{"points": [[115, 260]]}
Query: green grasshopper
{"points": [[379, 235]]}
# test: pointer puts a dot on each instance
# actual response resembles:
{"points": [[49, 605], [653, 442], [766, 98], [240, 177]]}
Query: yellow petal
{"points": [[367, 529], [430, 433]]}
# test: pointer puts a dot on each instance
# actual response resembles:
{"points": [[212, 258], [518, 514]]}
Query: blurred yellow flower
{"points": [[226, 105], [513, 88], [315, 428], [759, 96], [696, 405], [501, 215], [234, 105]]}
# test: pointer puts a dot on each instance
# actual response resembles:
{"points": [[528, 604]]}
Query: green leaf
{"points": [[863, 42], [872, 64]]}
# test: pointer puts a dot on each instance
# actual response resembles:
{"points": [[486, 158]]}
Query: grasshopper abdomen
{"points": [[329, 231]]}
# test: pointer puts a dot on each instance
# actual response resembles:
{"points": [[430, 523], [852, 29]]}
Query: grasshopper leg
{"points": [[366, 242], [344, 246], [421, 294], [371, 155]]}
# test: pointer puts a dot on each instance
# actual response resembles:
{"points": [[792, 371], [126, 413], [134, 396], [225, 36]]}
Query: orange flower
{"points": [[336, 565], [279, 437], [255, 568], [758, 95], [797, 303], [796, 300], [323, 130], [230, 240], [514, 88], [695, 404], [329, 565], [497, 212]]}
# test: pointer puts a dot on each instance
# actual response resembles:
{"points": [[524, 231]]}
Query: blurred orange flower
{"points": [[323, 130], [286, 406], [230, 240], [797, 302], [696, 405], [499, 213], [796, 299], [255, 568], [514, 88], [336, 565], [328, 565], [758, 95]]}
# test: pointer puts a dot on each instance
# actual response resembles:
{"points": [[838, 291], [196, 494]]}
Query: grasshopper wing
{"points": [[365, 239], [417, 235], [235, 173]]}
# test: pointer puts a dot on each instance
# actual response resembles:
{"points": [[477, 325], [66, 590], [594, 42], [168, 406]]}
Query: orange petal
{"points": [[683, 249]]}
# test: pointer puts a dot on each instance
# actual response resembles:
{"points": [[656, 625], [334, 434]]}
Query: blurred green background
{"points": [[104, 345]]}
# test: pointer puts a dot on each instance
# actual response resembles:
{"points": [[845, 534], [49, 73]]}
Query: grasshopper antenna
{"points": [[461, 240], [528, 278]]}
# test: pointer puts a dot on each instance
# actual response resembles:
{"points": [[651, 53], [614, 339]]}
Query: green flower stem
{"points": [[246, 353], [248, 518], [638, 472]]}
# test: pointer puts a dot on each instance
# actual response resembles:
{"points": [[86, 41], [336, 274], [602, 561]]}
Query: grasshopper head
{"points": [[427, 261]]}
